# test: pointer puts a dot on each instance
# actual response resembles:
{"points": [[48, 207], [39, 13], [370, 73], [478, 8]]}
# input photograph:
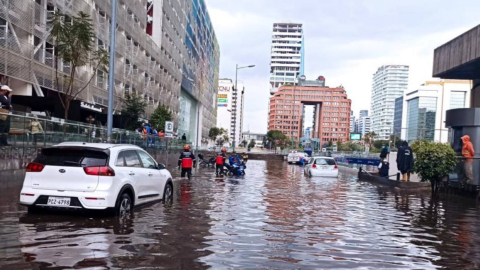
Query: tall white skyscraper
{"points": [[389, 83], [287, 55], [230, 105]]}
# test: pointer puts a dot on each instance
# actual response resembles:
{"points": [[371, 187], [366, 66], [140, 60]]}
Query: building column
{"points": [[316, 132], [475, 94]]}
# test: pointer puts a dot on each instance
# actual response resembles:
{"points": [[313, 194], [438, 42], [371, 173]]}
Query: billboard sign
{"points": [[222, 100], [222, 105], [222, 96], [355, 136]]}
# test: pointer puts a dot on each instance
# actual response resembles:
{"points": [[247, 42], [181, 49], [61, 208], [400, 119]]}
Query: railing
{"points": [[23, 140]]}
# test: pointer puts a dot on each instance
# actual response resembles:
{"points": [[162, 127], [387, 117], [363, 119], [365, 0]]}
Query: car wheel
{"points": [[168, 194], [309, 173], [124, 206]]}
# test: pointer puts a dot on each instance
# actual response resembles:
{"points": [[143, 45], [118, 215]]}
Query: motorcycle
{"points": [[235, 169], [206, 162]]}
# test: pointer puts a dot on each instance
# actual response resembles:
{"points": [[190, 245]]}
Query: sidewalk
{"points": [[393, 169]]}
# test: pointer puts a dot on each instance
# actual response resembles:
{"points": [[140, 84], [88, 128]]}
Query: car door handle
{"points": [[131, 173]]}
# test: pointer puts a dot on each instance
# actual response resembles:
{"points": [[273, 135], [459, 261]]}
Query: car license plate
{"points": [[324, 167], [58, 201]]}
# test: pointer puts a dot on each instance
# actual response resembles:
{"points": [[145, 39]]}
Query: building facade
{"points": [[424, 109], [397, 117], [353, 122], [363, 113], [230, 105], [389, 83], [364, 125], [257, 137], [331, 107], [151, 59], [287, 54]]}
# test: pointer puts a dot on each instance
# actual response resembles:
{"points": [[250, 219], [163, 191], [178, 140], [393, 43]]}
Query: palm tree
{"points": [[369, 138]]}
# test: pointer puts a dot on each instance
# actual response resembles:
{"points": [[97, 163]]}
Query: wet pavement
{"points": [[273, 218]]}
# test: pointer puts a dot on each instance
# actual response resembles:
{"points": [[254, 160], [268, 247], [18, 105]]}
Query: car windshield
{"points": [[72, 157], [323, 161]]}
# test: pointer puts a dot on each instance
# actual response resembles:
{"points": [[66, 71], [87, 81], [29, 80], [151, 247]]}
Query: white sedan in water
{"points": [[294, 158], [321, 166]]}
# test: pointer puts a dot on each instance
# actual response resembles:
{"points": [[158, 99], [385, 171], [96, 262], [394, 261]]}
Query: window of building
{"points": [[457, 99]]}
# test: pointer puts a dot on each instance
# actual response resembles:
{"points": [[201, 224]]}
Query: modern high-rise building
{"points": [[397, 117], [424, 109], [165, 51], [389, 83], [364, 125], [230, 104], [287, 54], [363, 113], [331, 121], [352, 123]]}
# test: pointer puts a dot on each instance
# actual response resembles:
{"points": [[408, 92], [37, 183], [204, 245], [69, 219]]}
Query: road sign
{"points": [[168, 135], [324, 150], [335, 149], [168, 127]]}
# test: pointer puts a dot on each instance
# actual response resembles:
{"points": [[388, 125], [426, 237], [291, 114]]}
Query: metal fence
{"points": [[23, 139]]}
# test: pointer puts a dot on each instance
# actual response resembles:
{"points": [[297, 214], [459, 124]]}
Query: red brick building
{"points": [[331, 119]]}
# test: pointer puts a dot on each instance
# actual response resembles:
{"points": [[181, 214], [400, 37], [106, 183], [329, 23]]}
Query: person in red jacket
{"points": [[186, 161], [468, 153], [220, 161]]}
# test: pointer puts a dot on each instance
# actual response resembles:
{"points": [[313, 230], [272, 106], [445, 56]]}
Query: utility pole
{"points": [[236, 98], [111, 71]]}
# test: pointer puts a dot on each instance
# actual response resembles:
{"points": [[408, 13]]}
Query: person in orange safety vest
{"points": [[220, 161], [186, 161]]}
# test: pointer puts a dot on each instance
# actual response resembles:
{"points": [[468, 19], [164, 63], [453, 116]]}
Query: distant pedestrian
{"points": [[384, 153], [468, 153], [184, 137], [405, 161], [35, 128], [5, 109]]}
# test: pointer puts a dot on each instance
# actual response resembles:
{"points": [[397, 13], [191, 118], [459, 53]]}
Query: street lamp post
{"points": [[235, 111], [111, 73]]}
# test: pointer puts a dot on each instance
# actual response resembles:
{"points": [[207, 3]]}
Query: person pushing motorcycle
{"points": [[220, 161]]}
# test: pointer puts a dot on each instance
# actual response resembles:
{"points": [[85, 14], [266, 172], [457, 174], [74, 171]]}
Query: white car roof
{"points": [[323, 157], [95, 145]]}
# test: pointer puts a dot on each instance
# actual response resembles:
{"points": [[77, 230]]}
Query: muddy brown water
{"points": [[273, 218]]}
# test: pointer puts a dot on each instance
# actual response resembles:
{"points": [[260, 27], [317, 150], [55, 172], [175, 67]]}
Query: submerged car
{"points": [[95, 176], [322, 166]]}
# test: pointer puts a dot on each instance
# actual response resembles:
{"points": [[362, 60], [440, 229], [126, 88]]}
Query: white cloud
{"points": [[346, 41]]}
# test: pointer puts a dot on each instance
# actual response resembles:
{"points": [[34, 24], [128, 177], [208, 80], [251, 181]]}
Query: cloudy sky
{"points": [[346, 41]]}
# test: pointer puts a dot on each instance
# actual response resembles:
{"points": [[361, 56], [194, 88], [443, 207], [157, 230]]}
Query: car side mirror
{"points": [[161, 166]]}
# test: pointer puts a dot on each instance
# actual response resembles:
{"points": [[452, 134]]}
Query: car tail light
{"points": [[314, 166], [27, 194], [336, 167], [35, 167], [100, 171]]}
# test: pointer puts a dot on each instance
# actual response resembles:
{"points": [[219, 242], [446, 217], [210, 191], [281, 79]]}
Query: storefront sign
{"points": [[222, 100], [222, 105], [224, 89], [222, 95], [91, 107]]}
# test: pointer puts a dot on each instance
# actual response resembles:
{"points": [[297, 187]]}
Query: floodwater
{"points": [[273, 218]]}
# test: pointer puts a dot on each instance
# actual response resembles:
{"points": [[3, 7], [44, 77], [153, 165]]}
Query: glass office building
{"points": [[421, 115]]}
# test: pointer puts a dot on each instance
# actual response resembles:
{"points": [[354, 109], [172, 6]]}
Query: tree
{"points": [[161, 114], [369, 138], [74, 37], [379, 144], [214, 133], [434, 161], [252, 143], [134, 109], [397, 141], [276, 138], [223, 137], [244, 143]]}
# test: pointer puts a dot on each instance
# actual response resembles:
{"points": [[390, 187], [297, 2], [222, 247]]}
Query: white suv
{"points": [[95, 176]]}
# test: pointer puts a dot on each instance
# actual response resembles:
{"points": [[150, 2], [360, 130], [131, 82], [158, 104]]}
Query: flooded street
{"points": [[273, 218]]}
